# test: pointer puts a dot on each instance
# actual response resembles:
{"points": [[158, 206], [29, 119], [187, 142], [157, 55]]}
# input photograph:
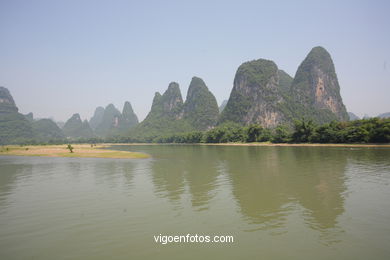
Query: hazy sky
{"points": [[62, 57]]}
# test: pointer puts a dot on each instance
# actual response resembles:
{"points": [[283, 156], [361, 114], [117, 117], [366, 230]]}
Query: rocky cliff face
{"points": [[264, 95], [255, 95], [317, 89], [200, 107], [75, 128]]}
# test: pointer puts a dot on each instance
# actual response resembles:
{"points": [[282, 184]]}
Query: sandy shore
{"points": [[80, 150]]}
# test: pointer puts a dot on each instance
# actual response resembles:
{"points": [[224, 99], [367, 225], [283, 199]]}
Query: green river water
{"points": [[276, 202]]}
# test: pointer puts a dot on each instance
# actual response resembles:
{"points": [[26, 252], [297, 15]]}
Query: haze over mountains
{"points": [[262, 94]]}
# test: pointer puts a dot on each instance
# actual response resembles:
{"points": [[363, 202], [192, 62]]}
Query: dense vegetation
{"points": [[285, 81], [374, 130]]}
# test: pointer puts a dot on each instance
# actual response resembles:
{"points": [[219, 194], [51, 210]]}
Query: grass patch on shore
{"points": [[79, 150]]}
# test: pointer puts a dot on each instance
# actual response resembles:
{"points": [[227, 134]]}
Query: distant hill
{"points": [[164, 117], [74, 128], [262, 94], [169, 114], [110, 121], [384, 115], [30, 117], [14, 127], [97, 118], [223, 105], [130, 118], [46, 130], [352, 116]]}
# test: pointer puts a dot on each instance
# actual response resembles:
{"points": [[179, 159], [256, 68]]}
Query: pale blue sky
{"points": [[62, 57]]}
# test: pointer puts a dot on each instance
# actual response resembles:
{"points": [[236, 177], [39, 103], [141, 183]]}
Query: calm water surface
{"points": [[277, 202]]}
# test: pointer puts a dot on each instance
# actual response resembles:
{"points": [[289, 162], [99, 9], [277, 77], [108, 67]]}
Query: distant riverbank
{"points": [[261, 144], [78, 150], [301, 144]]}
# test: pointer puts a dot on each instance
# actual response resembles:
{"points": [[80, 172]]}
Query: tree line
{"points": [[373, 130]]}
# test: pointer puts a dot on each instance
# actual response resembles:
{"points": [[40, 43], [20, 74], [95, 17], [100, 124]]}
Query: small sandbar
{"points": [[79, 150]]}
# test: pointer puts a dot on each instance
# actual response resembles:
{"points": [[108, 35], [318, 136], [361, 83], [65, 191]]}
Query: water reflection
{"points": [[267, 183], [192, 168], [9, 174]]}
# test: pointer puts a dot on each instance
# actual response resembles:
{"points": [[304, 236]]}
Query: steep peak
{"points": [[168, 105], [173, 91], [30, 117], [99, 110], [7, 103], [256, 72], [127, 108], [172, 100], [156, 99], [316, 86], [75, 117], [197, 84], [128, 114], [200, 108], [110, 107], [255, 95], [319, 57], [97, 117]]}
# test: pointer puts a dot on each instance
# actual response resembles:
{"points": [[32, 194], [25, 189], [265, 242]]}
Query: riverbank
{"points": [[300, 144], [387, 145], [79, 150]]}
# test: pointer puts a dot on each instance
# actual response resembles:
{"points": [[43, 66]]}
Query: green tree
{"points": [[70, 148]]}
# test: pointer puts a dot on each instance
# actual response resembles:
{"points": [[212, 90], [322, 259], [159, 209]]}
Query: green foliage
{"points": [[70, 148], [281, 134], [257, 72], [303, 131], [256, 133], [236, 108], [285, 81]]}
